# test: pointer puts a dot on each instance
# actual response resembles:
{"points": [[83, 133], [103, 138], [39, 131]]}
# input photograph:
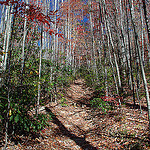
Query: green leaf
{"points": [[16, 118], [11, 118], [28, 129], [5, 111], [3, 97], [20, 118], [1, 106], [1, 117]]}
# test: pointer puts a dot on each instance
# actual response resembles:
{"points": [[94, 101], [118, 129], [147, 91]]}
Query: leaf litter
{"points": [[77, 126]]}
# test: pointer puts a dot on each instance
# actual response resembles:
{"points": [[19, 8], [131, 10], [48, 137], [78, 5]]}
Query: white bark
{"points": [[140, 60], [24, 38], [2, 20], [112, 44], [142, 31], [93, 41], [110, 59], [7, 36], [8, 28]]}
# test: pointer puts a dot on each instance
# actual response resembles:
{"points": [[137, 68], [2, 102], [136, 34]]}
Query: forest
{"points": [[74, 74]]}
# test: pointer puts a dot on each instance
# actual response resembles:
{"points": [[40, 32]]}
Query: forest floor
{"points": [[77, 126]]}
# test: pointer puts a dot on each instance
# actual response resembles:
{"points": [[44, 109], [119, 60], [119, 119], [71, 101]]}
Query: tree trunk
{"points": [[130, 58], [9, 76], [112, 44], [93, 42], [146, 19], [141, 63], [40, 64]]}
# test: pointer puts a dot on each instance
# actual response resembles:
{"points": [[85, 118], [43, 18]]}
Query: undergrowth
{"points": [[97, 83]]}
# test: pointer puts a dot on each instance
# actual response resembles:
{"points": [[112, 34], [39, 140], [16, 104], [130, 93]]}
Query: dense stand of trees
{"points": [[44, 43]]}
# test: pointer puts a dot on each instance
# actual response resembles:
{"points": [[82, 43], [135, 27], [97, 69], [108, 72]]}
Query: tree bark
{"points": [[146, 19], [141, 63], [40, 64]]}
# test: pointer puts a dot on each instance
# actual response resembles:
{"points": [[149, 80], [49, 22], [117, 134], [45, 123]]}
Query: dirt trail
{"points": [[76, 126], [72, 120]]}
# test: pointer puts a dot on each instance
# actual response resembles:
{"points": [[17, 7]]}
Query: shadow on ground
{"points": [[136, 106], [78, 140]]}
